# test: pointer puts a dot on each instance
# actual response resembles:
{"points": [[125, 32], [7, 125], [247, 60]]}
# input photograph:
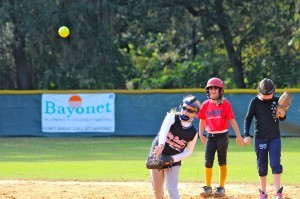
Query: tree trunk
{"points": [[23, 75], [234, 56], [18, 49]]}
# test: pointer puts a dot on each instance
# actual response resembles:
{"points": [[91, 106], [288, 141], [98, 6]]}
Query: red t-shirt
{"points": [[216, 116]]}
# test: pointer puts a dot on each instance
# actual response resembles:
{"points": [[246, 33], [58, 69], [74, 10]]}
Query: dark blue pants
{"points": [[216, 143], [265, 149]]}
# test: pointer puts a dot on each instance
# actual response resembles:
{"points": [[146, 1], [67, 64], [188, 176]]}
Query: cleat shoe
{"points": [[220, 192], [278, 195], [262, 195], [207, 191]]}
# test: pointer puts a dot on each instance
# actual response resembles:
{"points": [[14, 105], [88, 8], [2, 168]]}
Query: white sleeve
{"points": [[165, 128], [187, 151]]}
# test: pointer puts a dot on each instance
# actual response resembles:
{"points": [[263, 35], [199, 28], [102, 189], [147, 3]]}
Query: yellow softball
{"points": [[63, 31]]}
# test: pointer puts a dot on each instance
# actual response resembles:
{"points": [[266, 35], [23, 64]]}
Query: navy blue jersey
{"points": [[266, 126]]}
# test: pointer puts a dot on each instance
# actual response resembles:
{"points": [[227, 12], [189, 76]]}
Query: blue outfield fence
{"points": [[137, 113]]}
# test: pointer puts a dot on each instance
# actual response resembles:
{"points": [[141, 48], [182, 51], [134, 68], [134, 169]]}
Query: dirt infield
{"points": [[16, 189]]}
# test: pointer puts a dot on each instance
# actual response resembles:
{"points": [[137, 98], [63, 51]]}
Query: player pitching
{"points": [[176, 138]]}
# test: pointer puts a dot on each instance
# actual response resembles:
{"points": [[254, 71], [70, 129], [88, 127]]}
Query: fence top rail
{"points": [[150, 91]]}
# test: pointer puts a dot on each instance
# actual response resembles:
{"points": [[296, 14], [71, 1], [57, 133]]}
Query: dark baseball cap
{"points": [[266, 86]]}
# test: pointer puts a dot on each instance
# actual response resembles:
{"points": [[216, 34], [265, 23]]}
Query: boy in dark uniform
{"points": [[267, 139]]}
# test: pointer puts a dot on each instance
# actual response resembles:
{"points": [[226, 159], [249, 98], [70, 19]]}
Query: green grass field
{"points": [[123, 159]]}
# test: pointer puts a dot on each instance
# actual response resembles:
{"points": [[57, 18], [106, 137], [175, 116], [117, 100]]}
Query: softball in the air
{"points": [[64, 31]]}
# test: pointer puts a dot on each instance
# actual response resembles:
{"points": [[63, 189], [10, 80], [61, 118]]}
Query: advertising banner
{"points": [[78, 113]]}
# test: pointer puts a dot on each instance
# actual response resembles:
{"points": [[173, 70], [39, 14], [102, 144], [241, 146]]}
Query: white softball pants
{"points": [[171, 177]]}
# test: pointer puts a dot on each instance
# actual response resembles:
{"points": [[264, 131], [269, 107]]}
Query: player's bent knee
{"points": [[263, 170], [262, 173]]}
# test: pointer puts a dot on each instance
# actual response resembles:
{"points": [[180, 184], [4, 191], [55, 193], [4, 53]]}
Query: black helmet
{"points": [[266, 87]]}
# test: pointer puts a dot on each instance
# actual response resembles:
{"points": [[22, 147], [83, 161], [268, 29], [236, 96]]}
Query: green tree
{"points": [[87, 59], [147, 44], [239, 41]]}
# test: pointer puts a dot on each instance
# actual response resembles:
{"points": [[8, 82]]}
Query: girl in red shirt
{"points": [[214, 115]]}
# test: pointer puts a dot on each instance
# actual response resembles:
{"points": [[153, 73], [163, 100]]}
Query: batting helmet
{"points": [[217, 83], [266, 87]]}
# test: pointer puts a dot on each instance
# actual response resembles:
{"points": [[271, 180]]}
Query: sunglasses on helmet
{"points": [[184, 108]]}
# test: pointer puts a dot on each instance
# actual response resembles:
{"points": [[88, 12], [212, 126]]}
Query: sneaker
{"points": [[220, 192], [262, 195], [278, 195], [207, 191]]}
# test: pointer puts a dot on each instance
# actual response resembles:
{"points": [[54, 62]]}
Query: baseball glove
{"points": [[163, 161], [284, 102]]}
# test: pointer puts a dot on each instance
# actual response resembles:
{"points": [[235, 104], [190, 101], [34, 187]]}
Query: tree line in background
{"points": [[130, 44]]}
